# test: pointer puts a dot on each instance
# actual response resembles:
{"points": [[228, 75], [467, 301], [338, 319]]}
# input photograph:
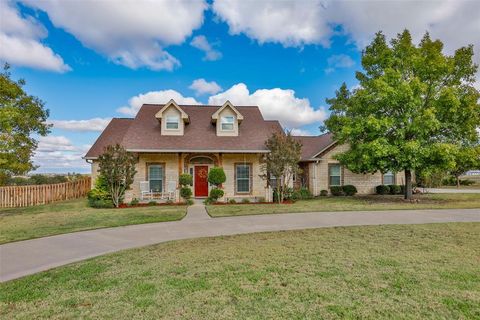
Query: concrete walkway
{"points": [[449, 190], [22, 258]]}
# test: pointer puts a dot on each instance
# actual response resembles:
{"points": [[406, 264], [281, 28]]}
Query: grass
{"points": [[371, 202], [374, 272], [69, 216]]}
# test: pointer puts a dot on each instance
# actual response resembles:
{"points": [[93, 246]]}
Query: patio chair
{"points": [[171, 188], [145, 190]]}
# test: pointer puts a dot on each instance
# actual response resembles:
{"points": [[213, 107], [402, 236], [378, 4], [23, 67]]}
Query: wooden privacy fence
{"points": [[23, 196]]}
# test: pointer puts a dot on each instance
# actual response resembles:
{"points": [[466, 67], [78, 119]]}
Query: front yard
{"points": [[370, 272], [370, 202], [69, 216]]}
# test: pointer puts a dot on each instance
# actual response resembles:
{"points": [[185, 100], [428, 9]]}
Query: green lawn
{"points": [[373, 272], [68, 216], [371, 202]]}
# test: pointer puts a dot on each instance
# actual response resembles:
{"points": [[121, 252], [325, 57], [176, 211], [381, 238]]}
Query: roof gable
{"points": [[227, 104], [169, 104]]}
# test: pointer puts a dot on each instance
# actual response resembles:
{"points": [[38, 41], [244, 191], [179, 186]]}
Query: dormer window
{"points": [[173, 122], [227, 123]]}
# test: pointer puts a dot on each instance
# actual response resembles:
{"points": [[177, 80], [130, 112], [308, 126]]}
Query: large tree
{"points": [[117, 167], [413, 107], [282, 160], [21, 116]]}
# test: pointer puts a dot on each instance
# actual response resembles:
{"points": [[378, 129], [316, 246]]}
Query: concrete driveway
{"points": [[22, 258], [449, 190]]}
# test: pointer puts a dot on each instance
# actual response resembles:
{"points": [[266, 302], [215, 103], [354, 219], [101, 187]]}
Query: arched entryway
{"points": [[198, 166]]}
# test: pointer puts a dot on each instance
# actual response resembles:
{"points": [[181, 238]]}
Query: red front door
{"points": [[201, 181]]}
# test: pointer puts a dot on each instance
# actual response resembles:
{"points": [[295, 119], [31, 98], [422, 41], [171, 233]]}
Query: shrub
{"points": [[467, 182], [99, 196], [185, 179], [134, 202], [245, 200], [349, 190], [232, 201], [382, 189], [337, 191], [186, 192], [216, 176], [216, 194], [152, 203], [302, 194], [100, 203], [395, 189], [324, 193], [189, 202], [402, 189]]}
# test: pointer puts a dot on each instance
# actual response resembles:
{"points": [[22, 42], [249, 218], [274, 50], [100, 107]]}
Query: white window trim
{"points": [[168, 120], [330, 175], [163, 177], [222, 122], [388, 173], [247, 178]]}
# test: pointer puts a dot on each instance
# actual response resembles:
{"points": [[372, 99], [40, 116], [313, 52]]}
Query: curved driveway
{"points": [[22, 258]]}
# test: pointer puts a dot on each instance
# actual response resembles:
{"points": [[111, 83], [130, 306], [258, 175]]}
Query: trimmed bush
{"points": [[324, 193], [186, 193], [232, 201], [100, 203], [216, 176], [466, 182], [99, 196], [349, 190], [337, 190], [245, 200], [382, 189], [216, 194], [134, 202], [395, 189], [302, 194], [189, 202], [185, 179], [152, 203]]}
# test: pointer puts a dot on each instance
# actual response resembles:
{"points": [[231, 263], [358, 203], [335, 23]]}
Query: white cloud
{"points": [[201, 43], [201, 86], [155, 97], [275, 104], [94, 124], [58, 154], [301, 132], [130, 33], [54, 143], [298, 23], [20, 41], [339, 61], [291, 23]]}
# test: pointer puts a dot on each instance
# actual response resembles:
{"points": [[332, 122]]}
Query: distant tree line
{"points": [[37, 179]]}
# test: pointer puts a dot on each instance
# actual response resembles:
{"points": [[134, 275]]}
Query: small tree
{"points": [[216, 176], [117, 166], [21, 116], [185, 181], [282, 160], [467, 158]]}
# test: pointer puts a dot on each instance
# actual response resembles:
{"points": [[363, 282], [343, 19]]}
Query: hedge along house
{"points": [[171, 139]]}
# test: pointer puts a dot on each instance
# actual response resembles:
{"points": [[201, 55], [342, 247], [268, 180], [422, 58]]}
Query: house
{"points": [[172, 139]]}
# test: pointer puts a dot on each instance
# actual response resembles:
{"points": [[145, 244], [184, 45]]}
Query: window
{"points": [[172, 122], [155, 176], [227, 123], [243, 178], [334, 175], [388, 178]]}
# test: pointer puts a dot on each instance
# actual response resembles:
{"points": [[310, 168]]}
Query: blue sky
{"points": [[87, 60]]}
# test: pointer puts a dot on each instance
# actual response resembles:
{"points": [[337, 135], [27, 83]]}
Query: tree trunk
{"points": [[408, 185], [458, 181]]}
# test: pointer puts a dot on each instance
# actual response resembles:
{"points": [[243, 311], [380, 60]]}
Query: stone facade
{"points": [[365, 183]]}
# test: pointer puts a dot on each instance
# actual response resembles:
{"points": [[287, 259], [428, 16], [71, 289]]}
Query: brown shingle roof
{"points": [[311, 146], [144, 132], [112, 134]]}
